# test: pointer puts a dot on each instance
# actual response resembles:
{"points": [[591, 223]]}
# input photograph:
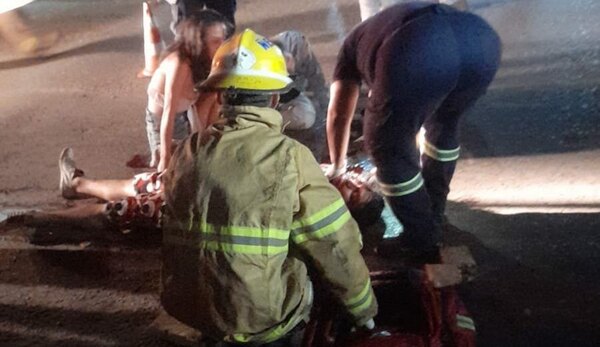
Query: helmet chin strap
{"points": [[231, 91]]}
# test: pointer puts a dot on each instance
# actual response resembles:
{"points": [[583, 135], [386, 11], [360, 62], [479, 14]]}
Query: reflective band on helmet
{"points": [[249, 74], [361, 301], [325, 222], [465, 322], [440, 154], [402, 188]]}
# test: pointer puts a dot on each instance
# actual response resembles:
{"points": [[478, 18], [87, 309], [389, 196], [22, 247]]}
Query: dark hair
{"points": [[368, 213], [189, 41]]}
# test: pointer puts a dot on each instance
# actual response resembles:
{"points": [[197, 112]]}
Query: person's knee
{"points": [[288, 38], [298, 114], [441, 138]]}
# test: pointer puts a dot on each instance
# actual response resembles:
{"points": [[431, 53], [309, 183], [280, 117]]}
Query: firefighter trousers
{"points": [[428, 73]]}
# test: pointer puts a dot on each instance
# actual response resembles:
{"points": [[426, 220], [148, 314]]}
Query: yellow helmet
{"points": [[248, 62]]}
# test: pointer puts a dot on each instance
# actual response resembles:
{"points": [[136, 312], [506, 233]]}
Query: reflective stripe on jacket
{"points": [[245, 206]]}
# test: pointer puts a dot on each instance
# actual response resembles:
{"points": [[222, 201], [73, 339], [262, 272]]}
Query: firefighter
{"points": [[247, 208], [424, 65]]}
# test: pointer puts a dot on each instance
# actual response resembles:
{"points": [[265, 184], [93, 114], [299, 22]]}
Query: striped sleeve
{"points": [[324, 230]]}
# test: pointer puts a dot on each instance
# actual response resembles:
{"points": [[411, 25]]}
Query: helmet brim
{"points": [[246, 81]]}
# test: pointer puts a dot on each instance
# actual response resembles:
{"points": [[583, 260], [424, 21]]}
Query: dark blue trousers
{"points": [[428, 73]]}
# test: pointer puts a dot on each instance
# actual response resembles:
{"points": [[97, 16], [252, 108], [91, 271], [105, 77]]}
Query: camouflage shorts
{"points": [[142, 210]]}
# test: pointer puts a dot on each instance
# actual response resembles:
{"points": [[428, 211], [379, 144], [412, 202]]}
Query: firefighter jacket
{"points": [[246, 208]]}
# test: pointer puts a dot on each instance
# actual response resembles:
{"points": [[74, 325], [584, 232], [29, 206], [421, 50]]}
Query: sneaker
{"points": [[68, 172]]}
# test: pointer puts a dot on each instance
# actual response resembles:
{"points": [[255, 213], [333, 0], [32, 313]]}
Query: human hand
{"points": [[153, 158], [365, 329], [162, 165], [333, 171]]}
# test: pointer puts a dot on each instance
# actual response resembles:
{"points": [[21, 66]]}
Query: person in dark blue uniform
{"points": [[425, 65]]}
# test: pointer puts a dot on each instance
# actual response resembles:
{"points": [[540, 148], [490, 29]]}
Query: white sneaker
{"points": [[68, 171]]}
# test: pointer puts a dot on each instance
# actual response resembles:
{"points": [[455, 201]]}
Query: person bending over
{"points": [[171, 89], [425, 65]]}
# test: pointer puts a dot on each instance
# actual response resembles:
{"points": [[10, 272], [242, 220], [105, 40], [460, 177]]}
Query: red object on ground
{"points": [[139, 161], [412, 313]]}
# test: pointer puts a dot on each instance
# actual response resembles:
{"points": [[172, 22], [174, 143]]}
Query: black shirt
{"points": [[357, 57]]}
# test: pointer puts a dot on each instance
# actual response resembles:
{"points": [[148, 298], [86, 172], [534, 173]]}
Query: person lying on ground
{"points": [[358, 188], [125, 204], [137, 201]]}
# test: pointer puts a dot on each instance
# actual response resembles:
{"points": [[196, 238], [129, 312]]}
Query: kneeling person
{"points": [[304, 106], [247, 208]]}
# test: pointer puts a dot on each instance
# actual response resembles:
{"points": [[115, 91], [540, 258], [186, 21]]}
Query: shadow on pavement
{"points": [[542, 101], [537, 283], [117, 44], [536, 287], [69, 327], [96, 256]]}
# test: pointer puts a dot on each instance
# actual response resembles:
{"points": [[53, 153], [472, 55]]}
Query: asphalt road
{"points": [[526, 195]]}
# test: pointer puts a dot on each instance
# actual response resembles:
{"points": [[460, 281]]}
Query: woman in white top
{"points": [[171, 90]]}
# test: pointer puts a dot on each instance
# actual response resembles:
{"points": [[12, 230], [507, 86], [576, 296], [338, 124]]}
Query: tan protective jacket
{"points": [[246, 206]]}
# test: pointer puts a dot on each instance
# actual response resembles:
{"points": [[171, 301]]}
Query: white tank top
{"points": [[156, 96]]}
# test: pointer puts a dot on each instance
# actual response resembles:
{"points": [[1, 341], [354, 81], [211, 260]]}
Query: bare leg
{"points": [[104, 189], [74, 186]]}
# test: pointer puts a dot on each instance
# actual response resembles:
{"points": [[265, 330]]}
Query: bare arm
{"points": [[176, 74], [344, 95]]}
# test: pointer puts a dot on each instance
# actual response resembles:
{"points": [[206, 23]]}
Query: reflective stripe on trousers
{"points": [[440, 154], [402, 188]]}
